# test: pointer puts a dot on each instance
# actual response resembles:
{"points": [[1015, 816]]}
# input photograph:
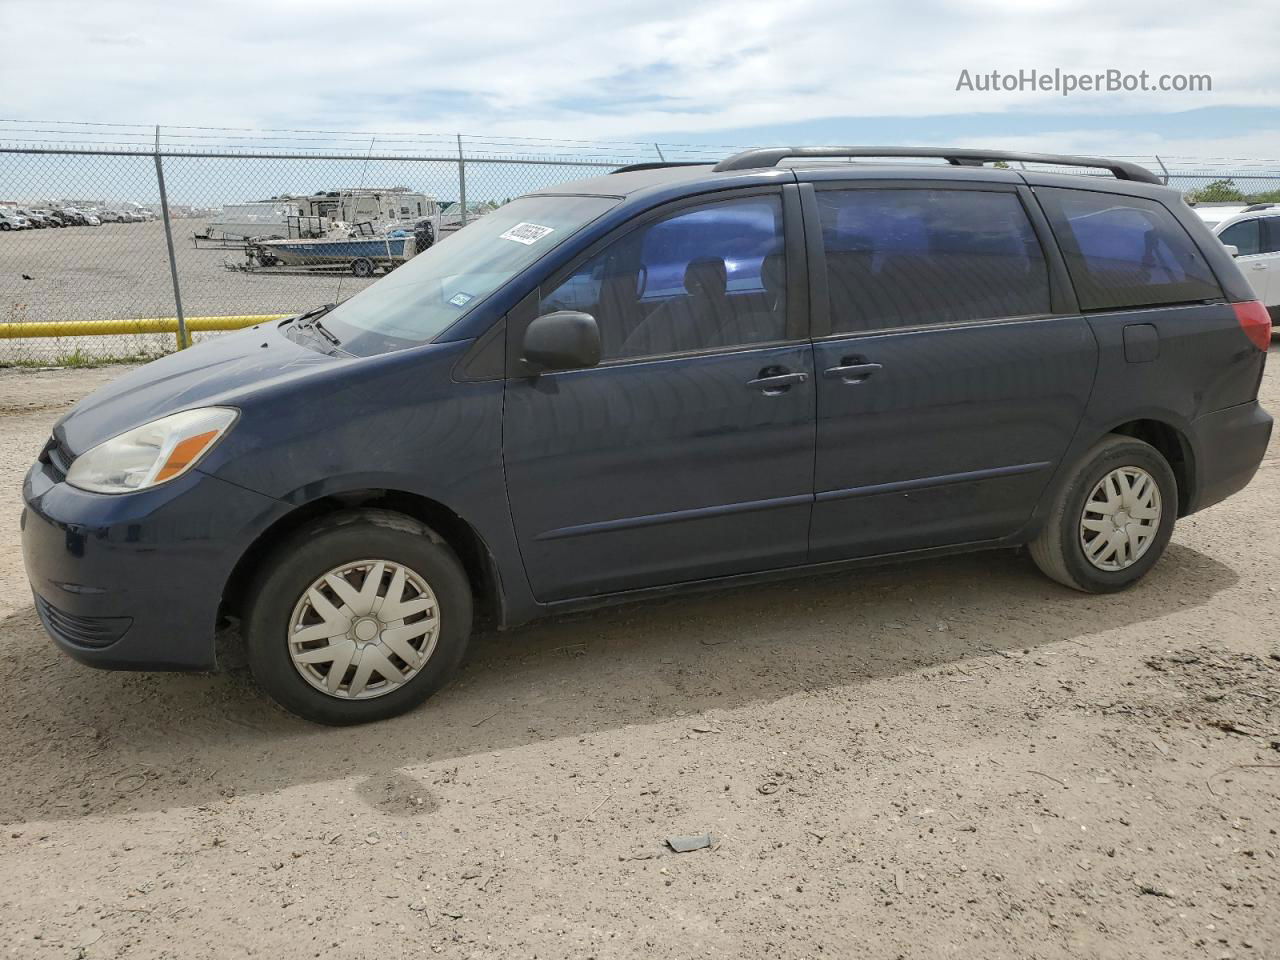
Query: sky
{"points": [[699, 76]]}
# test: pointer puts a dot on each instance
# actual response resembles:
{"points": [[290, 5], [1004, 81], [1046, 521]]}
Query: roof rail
{"points": [[1257, 206], [956, 156], [659, 164]]}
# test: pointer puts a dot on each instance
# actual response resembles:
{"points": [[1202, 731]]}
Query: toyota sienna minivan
{"points": [[666, 378]]}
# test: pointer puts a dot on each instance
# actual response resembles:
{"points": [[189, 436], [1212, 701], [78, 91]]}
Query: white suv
{"points": [[1255, 233]]}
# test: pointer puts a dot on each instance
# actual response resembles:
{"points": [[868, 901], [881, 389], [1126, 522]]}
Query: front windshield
{"points": [[433, 290]]}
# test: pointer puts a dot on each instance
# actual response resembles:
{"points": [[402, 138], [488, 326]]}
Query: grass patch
{"points": [[75, 360]]}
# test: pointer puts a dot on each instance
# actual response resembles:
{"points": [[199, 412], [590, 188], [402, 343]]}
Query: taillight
{"points": [[1255, 322]]}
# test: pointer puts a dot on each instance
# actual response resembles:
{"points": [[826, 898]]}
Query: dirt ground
{"points": [[952, 759]]}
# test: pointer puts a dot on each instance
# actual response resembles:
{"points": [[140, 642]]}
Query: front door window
{"points": [[703, 278]]}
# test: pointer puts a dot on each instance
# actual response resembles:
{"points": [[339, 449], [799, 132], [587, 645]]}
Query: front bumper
{"points": [[135, 581], [1228, 446]]}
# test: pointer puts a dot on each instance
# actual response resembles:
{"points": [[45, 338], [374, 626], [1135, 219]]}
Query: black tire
{"points": [[5, 226], [1058, 550], [362, 267], [321, 546]]}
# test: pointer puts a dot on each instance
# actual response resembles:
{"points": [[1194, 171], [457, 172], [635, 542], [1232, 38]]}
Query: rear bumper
{"points": [[1228, 446], [135, 581]]}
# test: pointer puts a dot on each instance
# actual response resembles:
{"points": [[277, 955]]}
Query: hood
{"points": [[218, 371]]}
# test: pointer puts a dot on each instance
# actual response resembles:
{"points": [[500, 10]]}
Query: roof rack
{"points": [[658, 165], [956, 156], [1257, 206]]}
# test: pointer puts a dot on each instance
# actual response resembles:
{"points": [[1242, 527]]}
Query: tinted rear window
{"points": [[899, 258], [1126, 251]]}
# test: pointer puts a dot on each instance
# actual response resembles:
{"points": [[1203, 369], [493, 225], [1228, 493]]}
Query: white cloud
{"points": [[600, 70]]}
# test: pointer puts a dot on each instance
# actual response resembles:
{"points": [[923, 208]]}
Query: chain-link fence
{"points": [[92, 271], [253, 234]]}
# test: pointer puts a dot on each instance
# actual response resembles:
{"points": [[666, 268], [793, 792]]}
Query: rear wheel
{"points": [[357, 617], [1112, 519]]}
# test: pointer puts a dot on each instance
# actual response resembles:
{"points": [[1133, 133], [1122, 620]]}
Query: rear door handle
{"points": [[851, 372], [777, 383]]}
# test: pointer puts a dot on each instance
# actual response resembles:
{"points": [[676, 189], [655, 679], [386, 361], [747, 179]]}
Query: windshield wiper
{"points": [[319, 311], [324, 331], [311, 321]]}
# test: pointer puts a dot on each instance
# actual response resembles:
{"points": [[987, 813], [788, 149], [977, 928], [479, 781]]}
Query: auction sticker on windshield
{"points": [[526, 233]]}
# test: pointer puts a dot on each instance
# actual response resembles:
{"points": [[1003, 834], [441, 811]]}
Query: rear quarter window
{"points": [[1126, 251]]}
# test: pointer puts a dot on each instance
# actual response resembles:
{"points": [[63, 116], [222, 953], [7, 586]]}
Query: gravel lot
{"points": [[121, 271], [952, 759]]}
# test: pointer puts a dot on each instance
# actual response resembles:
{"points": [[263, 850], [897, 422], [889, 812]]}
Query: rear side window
{"points": [[1245, 235], [1126, 251], [901, 258], [1271, 235]]}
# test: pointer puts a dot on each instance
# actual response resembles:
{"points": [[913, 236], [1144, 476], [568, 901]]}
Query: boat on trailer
{"points": [[359, 249]]}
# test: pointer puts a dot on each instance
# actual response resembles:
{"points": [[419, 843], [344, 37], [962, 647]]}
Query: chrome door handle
{"points": [[851, 372], [777, 383]]}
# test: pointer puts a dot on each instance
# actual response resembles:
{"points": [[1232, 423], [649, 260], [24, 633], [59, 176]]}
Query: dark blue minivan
{"points": [[669, 377]]}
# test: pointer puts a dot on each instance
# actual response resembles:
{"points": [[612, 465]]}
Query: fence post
{"points": [[1162, 167], [168, 239], [462, 181]]}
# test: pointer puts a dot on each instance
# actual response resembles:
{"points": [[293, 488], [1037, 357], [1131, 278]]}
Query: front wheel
{"points": [[1111, 520], [358, 616]]}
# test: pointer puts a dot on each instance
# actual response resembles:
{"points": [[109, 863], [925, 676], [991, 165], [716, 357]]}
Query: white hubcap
{"points": [[364, 629], [1121, 518]]}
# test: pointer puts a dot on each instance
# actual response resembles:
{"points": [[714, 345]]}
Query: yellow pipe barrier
{"points": [[92, 328]]}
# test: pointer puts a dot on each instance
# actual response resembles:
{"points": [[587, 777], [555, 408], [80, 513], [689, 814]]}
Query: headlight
{"points": [[152, 453]]}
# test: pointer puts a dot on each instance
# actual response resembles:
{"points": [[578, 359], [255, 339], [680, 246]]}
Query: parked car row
{"points": [[127, 216], [20, 218]]}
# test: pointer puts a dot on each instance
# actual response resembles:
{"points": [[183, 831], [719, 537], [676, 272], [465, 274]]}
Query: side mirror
{"points": [[1232, 249], [564, 340]]}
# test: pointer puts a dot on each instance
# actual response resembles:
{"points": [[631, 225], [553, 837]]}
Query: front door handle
{"points": [[772, 384], [851, 372]]}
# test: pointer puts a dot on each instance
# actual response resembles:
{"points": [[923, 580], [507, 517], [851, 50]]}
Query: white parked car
{"points": [[1214, 213], [1254, 231], [10, 219]]}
